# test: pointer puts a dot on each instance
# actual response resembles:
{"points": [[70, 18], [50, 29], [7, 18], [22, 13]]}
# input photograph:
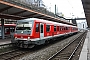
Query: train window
{"points": [[76, 28], [24, 26], [41, 28], [57, 28], [60, 28], [66, 28], [47, 28], [12, 29], [72, 28], [54, 28], [7, 29], [37, 27]]}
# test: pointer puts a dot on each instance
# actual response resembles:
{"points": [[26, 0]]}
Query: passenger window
{"points": [[57, 28], [47, 28], [72, 28], [37, 27], [66, 28], [54, 28], [7, 29], [60, 28]]}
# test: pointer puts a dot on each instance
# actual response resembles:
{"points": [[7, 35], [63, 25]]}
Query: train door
{"points": [[41, 30]]}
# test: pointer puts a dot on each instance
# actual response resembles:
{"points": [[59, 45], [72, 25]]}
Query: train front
{"points": [[22, 34]]}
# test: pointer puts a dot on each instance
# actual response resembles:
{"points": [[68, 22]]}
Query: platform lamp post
{"points": [[2, 28], [55, 10]]}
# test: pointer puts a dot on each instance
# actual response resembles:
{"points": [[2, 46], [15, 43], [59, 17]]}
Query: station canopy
{"points": [[12, 11], [86, 6]]}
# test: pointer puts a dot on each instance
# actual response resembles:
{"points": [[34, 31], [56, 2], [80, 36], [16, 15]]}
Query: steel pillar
{"points": [[2, 28]]}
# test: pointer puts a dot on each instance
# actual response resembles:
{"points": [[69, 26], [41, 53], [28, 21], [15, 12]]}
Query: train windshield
{"points": [[24, 27]]}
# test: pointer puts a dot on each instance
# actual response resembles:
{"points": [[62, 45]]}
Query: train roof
{"points": [[9, 24], [44, 21], [26, 20]]}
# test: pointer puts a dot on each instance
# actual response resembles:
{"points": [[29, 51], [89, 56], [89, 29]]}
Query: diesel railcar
{"points": [[8, 29], [32, 31]]}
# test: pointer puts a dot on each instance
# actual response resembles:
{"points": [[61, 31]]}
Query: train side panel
{"points": [[40, 32], [35, 30]]}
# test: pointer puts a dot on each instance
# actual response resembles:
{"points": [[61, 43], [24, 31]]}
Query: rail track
{"points": [[12, 54], [5, 45], [69, 50]]}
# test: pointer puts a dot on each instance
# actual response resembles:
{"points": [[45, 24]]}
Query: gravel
{"points": [[45, 53]]}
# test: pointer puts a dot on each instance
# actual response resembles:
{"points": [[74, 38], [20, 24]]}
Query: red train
{"points": [[33, 31], [8, 29]]}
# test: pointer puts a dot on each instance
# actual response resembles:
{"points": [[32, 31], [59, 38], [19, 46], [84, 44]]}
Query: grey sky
{"points": [[70, 8]]}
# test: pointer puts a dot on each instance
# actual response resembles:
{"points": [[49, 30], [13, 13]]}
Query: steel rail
{"points": [[12, 54], [5, 45], [8, 52], [62, 48], [76, 47]]}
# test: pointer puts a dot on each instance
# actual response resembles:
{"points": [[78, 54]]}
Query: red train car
{"points": [[8, 29], [32, 31]]}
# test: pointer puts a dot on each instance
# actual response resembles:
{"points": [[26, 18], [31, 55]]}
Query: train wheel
{"points": [[31, 46], [47, 41], [25, 46]]}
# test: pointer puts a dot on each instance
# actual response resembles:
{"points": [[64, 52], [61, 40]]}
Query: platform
{"points": [[5, 41], [85, 53]]}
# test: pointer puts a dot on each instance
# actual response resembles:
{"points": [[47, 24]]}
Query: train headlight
{"points": [[15, 37], [28, 37]]}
